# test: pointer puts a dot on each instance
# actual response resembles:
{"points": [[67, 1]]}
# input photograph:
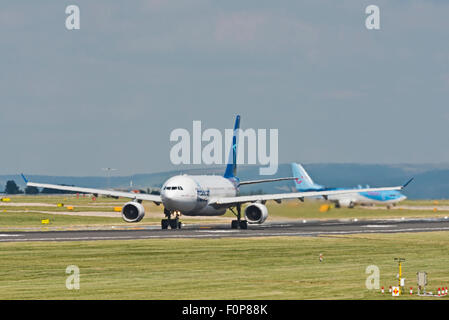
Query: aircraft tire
{"points": [[243, 224], [174, 224], [234, 224], [164, 224]]}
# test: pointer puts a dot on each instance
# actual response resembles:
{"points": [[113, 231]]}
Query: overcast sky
{"points": [[109, 94]]}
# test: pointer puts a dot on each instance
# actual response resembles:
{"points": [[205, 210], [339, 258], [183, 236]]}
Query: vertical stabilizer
{"points": [[302, 179], [231, 167]]}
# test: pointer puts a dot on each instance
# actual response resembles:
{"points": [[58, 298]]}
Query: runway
{"points": [[272, 229]]}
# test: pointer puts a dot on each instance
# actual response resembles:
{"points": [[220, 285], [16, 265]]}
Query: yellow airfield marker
{"points": [[118, 209], [70, 208], [6, 199], [60, 205], [45, 221]]}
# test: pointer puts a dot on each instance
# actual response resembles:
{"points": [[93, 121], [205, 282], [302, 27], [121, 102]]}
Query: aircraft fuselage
{"points": [[190, 194]]}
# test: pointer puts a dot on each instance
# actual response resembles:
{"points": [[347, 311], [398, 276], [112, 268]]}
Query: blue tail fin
{"points": [[24, 178], [302, 179], [231, 167]]}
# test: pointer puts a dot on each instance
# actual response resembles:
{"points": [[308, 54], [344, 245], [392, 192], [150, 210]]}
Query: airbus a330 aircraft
{"points": [[303, 183], [205, 195]]}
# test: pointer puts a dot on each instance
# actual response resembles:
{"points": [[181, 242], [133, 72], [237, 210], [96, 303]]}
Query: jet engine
{"points": [[346, 203], [133, 212], [256, 213]]}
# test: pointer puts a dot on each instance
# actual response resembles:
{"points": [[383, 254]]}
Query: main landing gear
{"points": [[173, 223], [239, 223]]}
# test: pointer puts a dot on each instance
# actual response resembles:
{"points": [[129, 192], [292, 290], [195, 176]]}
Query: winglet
{"points": [[406, 184], [24, 178]]}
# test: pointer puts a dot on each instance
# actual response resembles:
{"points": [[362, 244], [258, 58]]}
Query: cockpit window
{"points": [[173, 188]]}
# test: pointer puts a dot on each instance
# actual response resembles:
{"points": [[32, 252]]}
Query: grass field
{"points": [[28, 211], [263, 268], [23, 212], [310, 210]]}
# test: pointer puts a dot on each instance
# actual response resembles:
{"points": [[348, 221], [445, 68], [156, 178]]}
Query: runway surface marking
{"points": [[379, 226], [280, 234], [316, 228]]}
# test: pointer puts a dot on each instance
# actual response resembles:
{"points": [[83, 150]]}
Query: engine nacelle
{"points": [[348, 203], [256, 213], [133, 212]]}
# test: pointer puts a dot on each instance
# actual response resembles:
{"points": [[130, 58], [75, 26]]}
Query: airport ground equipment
{"points": [[401, 281], [422, 282]]}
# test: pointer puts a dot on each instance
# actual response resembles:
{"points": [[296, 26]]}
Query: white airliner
{"points": [[205, 195]]}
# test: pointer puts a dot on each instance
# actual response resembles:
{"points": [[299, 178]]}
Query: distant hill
{"points": [[431, 181]]}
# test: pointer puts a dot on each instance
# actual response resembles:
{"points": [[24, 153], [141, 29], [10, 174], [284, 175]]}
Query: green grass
{"points": [[441, 202], [262, 268], [57, 209], [30, 219], [310, 210], [267, 268], [55, 199], [30, 216]]}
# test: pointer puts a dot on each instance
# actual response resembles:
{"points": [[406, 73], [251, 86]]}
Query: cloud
{"points": [[343, 94], [142, 68], [266, 32], [240, 27]]}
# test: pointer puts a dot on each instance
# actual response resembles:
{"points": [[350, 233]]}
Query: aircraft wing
{"points": [[294, 195], [112, 193], [265, 180]]}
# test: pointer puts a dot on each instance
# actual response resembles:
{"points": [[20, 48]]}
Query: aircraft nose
{"points": [[177, 201]]}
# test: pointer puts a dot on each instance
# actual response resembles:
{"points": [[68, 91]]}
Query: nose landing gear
{"points": [[173, 223]]}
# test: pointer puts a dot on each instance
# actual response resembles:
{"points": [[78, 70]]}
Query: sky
{"points": [[109, 94]]}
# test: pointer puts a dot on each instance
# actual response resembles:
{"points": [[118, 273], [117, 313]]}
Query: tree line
{"points": [[12, 188]]}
